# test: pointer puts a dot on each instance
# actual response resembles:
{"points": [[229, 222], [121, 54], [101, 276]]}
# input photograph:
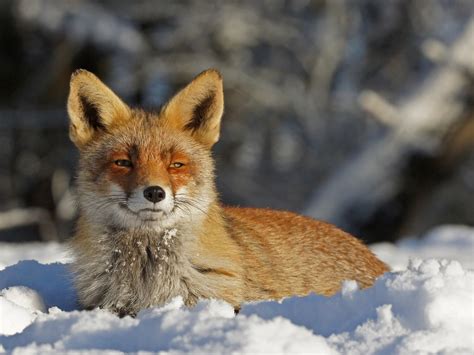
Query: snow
{"points": [[425, 306], [450, 242], [19, 306], [43, 252]]}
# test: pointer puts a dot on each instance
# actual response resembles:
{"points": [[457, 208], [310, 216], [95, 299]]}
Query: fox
{"points": [[151, 226]]}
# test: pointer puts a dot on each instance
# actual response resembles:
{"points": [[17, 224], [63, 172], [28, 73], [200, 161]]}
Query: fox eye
{"points": [[123, 162], [176, 165]]}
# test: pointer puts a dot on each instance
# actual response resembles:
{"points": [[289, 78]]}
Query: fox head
{"points": [[140, 169]]}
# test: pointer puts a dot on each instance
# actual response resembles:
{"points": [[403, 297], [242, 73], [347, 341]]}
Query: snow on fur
{"points": [[425, 307]]}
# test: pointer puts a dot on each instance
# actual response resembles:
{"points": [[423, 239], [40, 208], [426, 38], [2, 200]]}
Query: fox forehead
{"points": [[145, 136]]}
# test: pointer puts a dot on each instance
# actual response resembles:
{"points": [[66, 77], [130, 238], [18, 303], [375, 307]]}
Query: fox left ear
{"points": [[92, 107], [198, 108]]}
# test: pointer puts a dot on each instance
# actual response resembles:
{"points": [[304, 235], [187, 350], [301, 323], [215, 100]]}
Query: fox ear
{"points": [[198, 108], [92, 107]]}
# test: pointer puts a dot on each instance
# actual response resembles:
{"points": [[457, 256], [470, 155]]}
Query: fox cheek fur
{"points": [[151, 226], [117, 195]]}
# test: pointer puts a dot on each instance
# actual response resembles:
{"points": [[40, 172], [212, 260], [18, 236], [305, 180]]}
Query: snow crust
{"points": [[426, 306]]}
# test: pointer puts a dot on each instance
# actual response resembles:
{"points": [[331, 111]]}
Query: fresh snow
{"points": [[425, 306], [448, 242], [43, 252]]}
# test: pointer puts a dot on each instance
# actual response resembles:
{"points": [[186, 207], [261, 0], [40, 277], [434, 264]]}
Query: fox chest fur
{"points": [[127, 271]]}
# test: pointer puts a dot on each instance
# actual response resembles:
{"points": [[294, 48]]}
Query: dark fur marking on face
{"points": [[91, 114], [200, 113], [134, 152]]}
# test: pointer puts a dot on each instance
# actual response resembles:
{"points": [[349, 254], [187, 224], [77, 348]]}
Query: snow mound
{"points": [[45, 253], [444, 242], [19, 307], [426, 308], [52, 281], [24, 297]]}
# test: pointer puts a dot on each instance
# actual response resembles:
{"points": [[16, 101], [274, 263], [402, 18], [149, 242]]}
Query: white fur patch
{"points": [[115, 208], [137, 203]]}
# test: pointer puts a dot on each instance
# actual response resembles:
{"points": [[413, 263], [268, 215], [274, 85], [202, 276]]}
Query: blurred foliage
{"points": [[293, 73]]}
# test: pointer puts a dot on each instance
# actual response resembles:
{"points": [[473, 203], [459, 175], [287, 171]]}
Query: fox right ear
{"points": [[92, 107], [198, 108]]}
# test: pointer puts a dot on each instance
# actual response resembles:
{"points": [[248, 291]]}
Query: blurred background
{"points": [[359, 112]]}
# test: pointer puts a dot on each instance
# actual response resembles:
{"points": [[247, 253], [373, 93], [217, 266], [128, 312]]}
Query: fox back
{"points": [[151, 226]]}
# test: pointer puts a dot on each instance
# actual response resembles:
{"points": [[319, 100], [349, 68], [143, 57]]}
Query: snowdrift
{"points": [[427, 306]]}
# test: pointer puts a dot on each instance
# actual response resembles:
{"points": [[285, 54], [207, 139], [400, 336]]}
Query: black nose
{"points": [[154, 194]]}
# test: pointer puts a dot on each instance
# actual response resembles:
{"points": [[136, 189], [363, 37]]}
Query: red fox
{"points": [[151, 226]]}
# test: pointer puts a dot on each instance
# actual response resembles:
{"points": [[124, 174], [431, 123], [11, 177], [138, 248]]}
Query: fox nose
{"points": [[154, 194]]}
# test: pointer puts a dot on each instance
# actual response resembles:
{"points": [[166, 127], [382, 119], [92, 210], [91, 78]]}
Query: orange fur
{"points": [[235, 254]]}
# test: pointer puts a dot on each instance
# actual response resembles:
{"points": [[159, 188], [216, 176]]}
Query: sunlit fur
{"points": [[107, 197], [131, 253]]}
